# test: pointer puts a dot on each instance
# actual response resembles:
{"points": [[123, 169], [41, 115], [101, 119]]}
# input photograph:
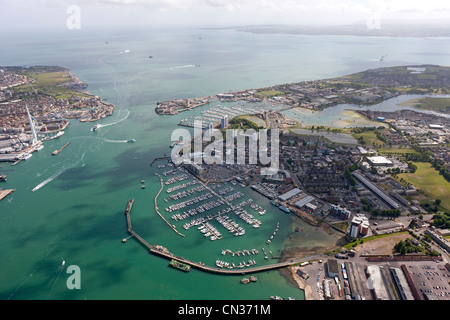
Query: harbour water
{"points": [[76, 213]]}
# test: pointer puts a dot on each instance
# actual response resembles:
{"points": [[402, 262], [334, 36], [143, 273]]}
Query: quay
{"points": [[56, 152], [157, 211], [160, 158], [5, 193], [165, 253]]}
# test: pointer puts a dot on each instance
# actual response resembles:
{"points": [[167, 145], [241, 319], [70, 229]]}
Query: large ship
{"points": [[180, 266]]}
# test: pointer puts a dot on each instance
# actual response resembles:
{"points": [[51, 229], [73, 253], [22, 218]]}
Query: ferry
{"points": [[283, 208], [180, 266], [272, 202]]}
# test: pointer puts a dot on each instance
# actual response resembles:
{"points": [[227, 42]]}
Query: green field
{"points": [[369, 137], [47, 81], [269, 94], [430, 103], [400, 151], [427, 179]]}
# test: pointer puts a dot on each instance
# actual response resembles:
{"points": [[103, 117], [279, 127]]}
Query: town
{"points": [[385, 190], [50, 96]]}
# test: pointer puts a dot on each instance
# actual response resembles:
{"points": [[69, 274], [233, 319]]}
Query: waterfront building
{"points": [[301, 203], [224, 122], [359, 226], [288, 195]]}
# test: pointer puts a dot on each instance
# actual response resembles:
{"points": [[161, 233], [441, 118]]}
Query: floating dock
{"points": [[56, 152]]}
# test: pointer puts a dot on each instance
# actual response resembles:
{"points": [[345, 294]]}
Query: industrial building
{"points": [[301, 203], [379, 161], [401, 284], [391, 202], [332, 268], [288, 195], [376, 283]]}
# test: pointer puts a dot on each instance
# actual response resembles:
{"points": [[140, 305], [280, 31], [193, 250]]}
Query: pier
{"points": [[160, 158], [5, 193], [165, 253], [56, 152], [157, 211]]}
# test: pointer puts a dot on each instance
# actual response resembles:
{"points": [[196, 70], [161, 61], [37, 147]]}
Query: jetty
{"points": [[56, 152], [157, 209], [165, 253], [5, 193], [160, 158]]}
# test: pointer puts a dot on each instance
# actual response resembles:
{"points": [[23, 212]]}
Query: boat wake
{"points": [[55, 278], [116, 122], [116, 141], [57, 174], [182, 67]]}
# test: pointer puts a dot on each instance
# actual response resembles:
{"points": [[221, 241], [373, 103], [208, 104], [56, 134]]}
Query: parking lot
{"points": [[431, 278]]}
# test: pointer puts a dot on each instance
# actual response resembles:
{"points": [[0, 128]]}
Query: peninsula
{"points": [[49, 96], [363, 88]]}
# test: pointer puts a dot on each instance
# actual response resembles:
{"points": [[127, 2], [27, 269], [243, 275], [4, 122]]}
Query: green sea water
{"points": [[76, 213]]}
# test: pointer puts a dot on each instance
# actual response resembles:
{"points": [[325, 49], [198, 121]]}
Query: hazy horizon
{"points": [[36, 15]]}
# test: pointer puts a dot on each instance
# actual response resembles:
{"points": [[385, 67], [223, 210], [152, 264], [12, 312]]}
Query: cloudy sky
{"points": [[35, 14]]}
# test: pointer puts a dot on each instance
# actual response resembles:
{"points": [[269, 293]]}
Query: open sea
{"points": [[76, 213]]}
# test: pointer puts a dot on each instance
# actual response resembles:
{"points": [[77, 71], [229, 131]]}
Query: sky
{"points": [[54, 14]]}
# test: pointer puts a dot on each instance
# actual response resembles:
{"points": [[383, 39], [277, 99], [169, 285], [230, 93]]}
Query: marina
{"points": [[222, 267]]}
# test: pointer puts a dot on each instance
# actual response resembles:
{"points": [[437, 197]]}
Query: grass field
{"points": [[427, 179], [396, 150], [430, 103], [269, 94], [369, 137], [48, 83]]}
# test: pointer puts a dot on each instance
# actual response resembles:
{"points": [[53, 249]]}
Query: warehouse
{"points": [[286, 196], [301, 203], [379, 161]]}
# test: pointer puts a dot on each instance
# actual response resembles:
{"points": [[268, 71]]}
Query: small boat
{"points": [[3, 178], [27, 156], [95, 128], [143, 187], [131, 141], [39, 147], [63, 262], [245, 280], [253, 279]]}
